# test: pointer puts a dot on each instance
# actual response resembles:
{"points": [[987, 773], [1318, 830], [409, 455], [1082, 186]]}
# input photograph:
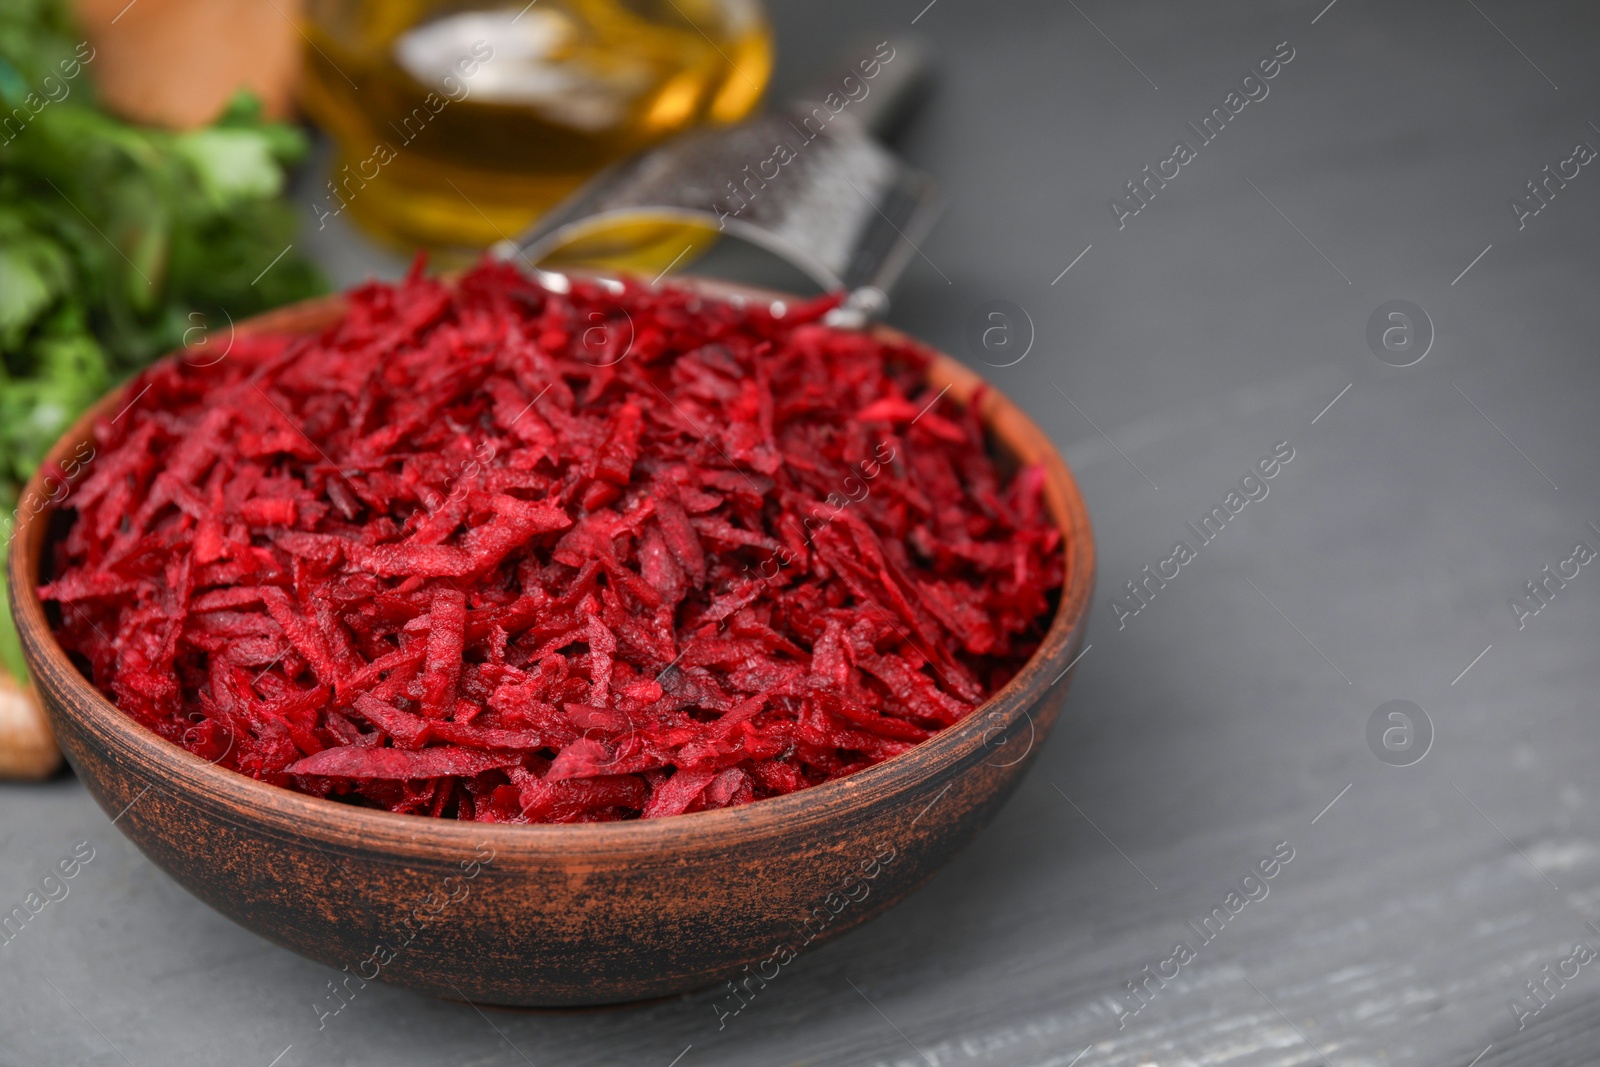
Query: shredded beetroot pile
{"points": [[489, 551]]}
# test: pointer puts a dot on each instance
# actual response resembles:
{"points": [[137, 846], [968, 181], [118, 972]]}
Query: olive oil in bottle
{"points": [[457, 124]]}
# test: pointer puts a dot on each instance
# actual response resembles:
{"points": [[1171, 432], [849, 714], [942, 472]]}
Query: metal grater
{"points": [[841, 208]]}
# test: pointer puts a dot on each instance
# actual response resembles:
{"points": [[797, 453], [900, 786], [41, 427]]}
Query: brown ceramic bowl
{"points": [[560, 915]]}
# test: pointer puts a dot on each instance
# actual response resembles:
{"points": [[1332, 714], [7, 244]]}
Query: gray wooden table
{"points": [[1230, 716]]}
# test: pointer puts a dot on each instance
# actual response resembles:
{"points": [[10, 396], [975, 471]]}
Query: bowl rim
{"points": [[294, 814]]}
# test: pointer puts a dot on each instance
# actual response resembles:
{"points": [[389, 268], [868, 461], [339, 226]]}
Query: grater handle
{"points": [[898, 89]]}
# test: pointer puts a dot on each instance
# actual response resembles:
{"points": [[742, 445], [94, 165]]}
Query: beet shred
{"points": [[492, 551]]}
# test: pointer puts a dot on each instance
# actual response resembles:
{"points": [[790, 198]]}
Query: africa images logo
{"points": [[1252, 487]]}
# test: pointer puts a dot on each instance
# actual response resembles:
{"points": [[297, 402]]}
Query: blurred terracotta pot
{"points": [[176, 62]]}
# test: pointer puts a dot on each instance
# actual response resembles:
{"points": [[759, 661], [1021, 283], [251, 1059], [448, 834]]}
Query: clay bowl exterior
{"points": [[559, 915]]}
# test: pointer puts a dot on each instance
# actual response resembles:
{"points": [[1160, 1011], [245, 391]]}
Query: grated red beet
{"points": [[455, 556]]}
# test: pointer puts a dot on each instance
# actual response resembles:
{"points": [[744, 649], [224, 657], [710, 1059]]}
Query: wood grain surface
{"points": [[1187, 344]]}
